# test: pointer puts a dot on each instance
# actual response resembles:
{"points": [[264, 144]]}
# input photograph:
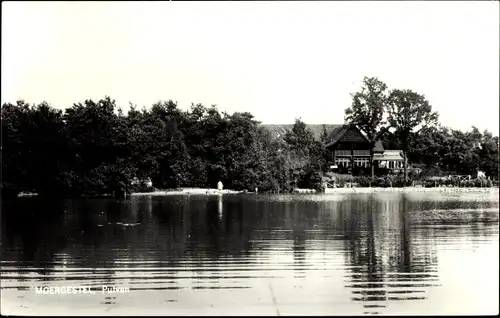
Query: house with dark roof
{"points": [[350, 147], [351, 150]]}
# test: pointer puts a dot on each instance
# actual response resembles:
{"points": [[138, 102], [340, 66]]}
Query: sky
{"points": [[277, 60]]}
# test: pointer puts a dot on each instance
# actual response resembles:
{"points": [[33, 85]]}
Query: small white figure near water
{"points": [[220, 186]]}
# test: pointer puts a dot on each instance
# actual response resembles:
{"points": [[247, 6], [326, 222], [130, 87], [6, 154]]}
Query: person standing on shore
{"points": [[219, 185]]}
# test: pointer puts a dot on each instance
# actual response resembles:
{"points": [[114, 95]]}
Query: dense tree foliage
{"points": [[367, 111], [442, 150], [404, 119], [93, 148], [457, 151], [409, 112]]}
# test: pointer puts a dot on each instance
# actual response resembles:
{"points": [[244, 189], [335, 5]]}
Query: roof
{"points": [[337, 131], [379, 147], [340, 132], [279, 130], [393, 152], [394, 155]]}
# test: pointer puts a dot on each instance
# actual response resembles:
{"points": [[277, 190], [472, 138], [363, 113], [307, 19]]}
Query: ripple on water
{"points": [[343, 254]]}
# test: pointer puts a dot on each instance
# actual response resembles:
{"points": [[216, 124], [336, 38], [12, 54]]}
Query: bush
{"points": [[363, 181], [414, 175], [345, 177], [479, 182], [320, 187], [361, 171], [430, 171], [429, 184], [140, 188], [449, 182], [389, 181], [313, 179], [400, 182], [379, 182], [381, 171], [382, 182], [473, 183], [467, 183]]}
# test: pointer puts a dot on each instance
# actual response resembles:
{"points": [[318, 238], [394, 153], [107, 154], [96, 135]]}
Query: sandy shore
{"points": [[187, 191]]}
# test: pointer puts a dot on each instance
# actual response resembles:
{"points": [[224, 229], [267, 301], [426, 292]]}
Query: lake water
{"points": [[352, 254]]}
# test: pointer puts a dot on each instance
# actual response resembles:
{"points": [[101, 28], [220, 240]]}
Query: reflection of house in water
{"points": [[385, 267], [299, 253], [299, 242]]}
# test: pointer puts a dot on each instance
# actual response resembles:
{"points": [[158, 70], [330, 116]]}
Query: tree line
{"points": [[94, 148], [404, 119]]}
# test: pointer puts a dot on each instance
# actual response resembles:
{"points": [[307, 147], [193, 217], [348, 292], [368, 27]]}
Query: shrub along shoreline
{"points": [[398, 182]]}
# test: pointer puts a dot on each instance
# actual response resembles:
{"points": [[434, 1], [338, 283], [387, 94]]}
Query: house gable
{"points": [[353, 135], [346, 134]]}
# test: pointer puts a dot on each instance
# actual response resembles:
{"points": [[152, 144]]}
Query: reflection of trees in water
{"points": [[405, 262], [33, 232], [177, 227], [382, 243], [200, 228], [435, 219], [69, 233], [381, 252], [363, 252], [300, 216]]}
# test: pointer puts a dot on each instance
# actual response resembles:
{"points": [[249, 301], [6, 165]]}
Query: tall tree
{"points": [[489, 154], [99, 142], [324, 134], [409, 112], [306, 153], [458, 153], [300, 138], [427, 146], [367, 111]]}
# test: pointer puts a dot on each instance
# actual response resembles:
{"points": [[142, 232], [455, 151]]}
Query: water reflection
{"points": [[383, 249], [386, 264]]}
